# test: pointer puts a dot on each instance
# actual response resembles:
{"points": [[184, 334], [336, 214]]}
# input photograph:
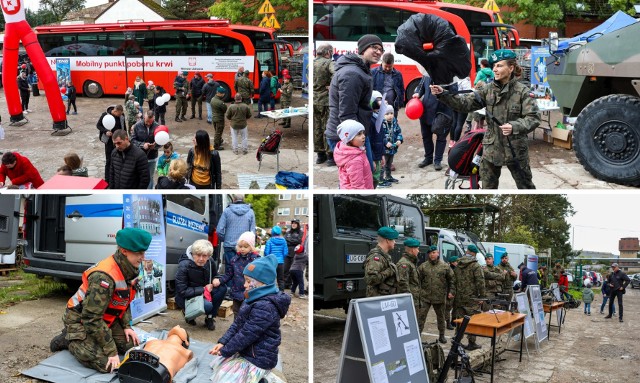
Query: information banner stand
{"points": [[558, 298], [535, 297], [529, 325], [382, 341]]}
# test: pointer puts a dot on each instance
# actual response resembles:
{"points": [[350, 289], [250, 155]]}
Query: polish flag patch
{"points": [[104, 284]]}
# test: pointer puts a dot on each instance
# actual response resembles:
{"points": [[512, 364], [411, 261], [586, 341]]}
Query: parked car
{"points": [[635, 281]]}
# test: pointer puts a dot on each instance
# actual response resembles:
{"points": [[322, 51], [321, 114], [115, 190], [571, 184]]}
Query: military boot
{"points": [[330, 161], [210, 323], [59, 342], [450, 326], [442, 339], [472, 346], [322, 158]]}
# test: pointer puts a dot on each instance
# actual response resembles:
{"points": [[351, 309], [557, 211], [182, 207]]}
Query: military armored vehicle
{"points": [[599, 83]]}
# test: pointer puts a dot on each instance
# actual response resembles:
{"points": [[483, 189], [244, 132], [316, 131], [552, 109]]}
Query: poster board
{"points": [[535, 298], [497, 254], [382, 341], [556, 291], [523, 308]]}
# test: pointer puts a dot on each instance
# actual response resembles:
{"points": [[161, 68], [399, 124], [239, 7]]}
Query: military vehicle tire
{"points": [[607, 139]]}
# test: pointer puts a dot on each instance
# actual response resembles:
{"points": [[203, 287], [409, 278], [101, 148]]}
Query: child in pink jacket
{"points": [[350, 157]]}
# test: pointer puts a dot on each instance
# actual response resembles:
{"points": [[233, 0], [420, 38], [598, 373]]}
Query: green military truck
{"points": [[599, 83]]}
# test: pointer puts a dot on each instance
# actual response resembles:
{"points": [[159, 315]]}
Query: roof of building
{"points": [[94, 13]]}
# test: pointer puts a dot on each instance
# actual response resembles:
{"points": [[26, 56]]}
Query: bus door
{"points": [[134, 67], [90, 226], [130, 46], [9, 221]]}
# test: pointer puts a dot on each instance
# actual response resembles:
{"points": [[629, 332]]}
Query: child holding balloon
{"points": [[160, 100]]}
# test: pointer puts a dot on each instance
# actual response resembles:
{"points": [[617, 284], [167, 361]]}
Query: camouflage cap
{"points": [[473, 248], [433, 248], [388, 232], [411, 242], [133, 239], [501, 54], [453, 259]]}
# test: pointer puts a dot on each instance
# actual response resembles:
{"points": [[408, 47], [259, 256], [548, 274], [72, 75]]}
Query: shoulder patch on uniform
{"points": [[376, 258], [404, 266], [104, 284]]}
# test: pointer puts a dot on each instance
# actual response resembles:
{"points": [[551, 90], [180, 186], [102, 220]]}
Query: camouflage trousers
{"points": [[439, 310], [91, 354], [181, 107], [320, 117], [490, 174], [285, 104], [421, 313], [447, 310], [218, 129], [460, 311]]}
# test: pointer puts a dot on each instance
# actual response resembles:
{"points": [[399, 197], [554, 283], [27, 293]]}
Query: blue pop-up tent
{"points": [[619, 20]]}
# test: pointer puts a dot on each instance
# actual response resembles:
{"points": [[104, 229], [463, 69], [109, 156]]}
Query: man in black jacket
{"points": [[350, 89], [105, 134], [527, 276], [196, 95], [143, 137], [128, 164], [208, 92], [25, 91], [618, 282]]}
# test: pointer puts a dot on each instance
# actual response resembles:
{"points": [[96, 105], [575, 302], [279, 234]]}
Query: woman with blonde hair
{"points": [[177, 176]]}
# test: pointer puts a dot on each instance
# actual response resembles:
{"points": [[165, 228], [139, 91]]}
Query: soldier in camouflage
{"points": [[285, 98], [245, 87], [469, 287], [408, 280], [453, 262], [181, 86], [508, 100], [322, 74], [493, 278], [509, 276], [98, 317], [380, 273], [438, 285]]}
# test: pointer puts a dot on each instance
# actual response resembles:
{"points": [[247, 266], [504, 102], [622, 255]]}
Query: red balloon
{"points": [[414, 109], [63, 90], [285, 72], [23, 66], [161, 128]]}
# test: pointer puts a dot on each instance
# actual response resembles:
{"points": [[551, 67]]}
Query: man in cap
{"points": [[181, 86], [408, 280], [380, 273], [218, 110], [618, 282], [527, 276], [322, 74], [509, 275], [209, 92], [517, 114], [195, 87], [351, 88], [98, 316], [493, 277], [453, 262], [437, 284], [473, 250], [245, 88], [469, 287]]}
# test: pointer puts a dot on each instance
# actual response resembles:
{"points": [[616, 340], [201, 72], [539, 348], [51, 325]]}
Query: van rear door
{"points": [[9, 207], [91, 224]]}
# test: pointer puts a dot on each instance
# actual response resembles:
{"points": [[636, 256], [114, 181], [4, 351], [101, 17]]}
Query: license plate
{"points": [[356, 258]]}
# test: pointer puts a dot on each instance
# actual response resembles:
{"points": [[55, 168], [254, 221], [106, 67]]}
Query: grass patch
{"points": [[20, 286]]}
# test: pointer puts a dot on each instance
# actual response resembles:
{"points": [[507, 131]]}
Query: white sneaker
{"points": [[29, 110], [25, 112]]}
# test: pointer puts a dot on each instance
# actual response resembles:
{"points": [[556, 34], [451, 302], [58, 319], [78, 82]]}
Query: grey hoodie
{"points": [[235, 220]]}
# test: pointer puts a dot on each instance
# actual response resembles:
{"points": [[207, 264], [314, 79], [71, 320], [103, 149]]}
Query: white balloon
{"points": [[166, 97], [162, 138], [108, 121], [159, 101]]}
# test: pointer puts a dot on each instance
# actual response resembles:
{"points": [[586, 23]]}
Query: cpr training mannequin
{"points": [[173, 351]]}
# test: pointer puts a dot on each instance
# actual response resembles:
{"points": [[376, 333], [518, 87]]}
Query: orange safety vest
{"points": [[122, 295]]}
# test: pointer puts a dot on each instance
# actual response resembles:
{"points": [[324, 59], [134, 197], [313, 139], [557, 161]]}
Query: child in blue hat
{"points": [[249, 349], [277, 246]]}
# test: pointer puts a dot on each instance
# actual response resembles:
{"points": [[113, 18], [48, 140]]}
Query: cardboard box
{"points": [[562, 138], [546, 136], [171, 304], [225, 309]]}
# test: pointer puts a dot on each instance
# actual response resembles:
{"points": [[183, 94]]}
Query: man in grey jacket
{"points": [[237, 218]]}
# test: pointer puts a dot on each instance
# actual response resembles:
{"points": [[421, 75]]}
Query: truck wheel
{"points": [[607, 139]]}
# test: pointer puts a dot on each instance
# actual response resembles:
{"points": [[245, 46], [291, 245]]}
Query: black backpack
{"points": [[461, 154], [270, 144]]}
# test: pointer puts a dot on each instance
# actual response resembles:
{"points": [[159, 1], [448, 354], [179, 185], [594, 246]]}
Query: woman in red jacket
{"points": [[19, 170], [563, 284]]}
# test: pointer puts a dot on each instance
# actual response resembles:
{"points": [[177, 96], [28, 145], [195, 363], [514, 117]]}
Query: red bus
{"points": [[343, 22], [106, 58]]}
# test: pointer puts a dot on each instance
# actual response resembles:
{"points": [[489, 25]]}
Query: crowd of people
{"points": [[348, 91]]}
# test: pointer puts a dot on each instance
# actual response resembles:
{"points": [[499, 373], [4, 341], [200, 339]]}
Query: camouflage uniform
{"points": [[181, 86], [380, 274], [322, 73], [218, 110], [511, 104], [91, 342], [469, 285], [507, 283], [409, 282], [245, 88], [286, 93], [436, 280], [493, 280], [449, 303]]}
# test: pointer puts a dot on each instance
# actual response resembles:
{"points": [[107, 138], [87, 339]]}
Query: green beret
{"points": [[184, 73], [488, 255], [504, 255], [388, 232], [433, 248], [453, 259], [473, 248], [411, 242], [501, 54], [133, 239]]}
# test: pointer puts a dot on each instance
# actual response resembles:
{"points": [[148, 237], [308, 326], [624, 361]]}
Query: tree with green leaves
{"points": [[60, 8], [189, 9], [246, 12], [263, 206]]}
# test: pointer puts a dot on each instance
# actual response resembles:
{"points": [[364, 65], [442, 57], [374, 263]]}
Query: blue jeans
{"points": [[229, 253], [604, 304], [369, 152], [209, 114], [587, 308], [217, 296], [332, 144], [297, 280]]}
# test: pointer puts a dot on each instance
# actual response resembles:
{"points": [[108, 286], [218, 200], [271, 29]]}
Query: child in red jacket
{"points": [[19, 170], [351, 158]]}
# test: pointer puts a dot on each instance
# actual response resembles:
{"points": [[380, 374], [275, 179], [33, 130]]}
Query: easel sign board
{"points": [[523, 308], [538, 312], [556, 291], [382, 341]]}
